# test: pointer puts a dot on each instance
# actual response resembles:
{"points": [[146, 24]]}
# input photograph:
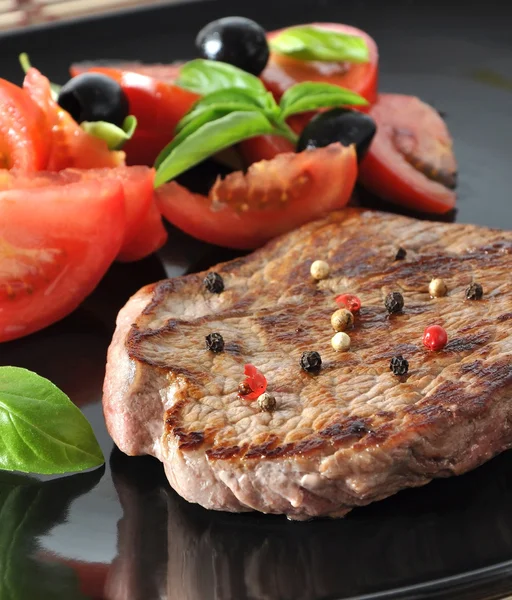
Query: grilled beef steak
{"points": [[346, 435]]}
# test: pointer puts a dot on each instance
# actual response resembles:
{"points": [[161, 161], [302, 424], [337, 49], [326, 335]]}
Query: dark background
{"points": [[455, 534]]}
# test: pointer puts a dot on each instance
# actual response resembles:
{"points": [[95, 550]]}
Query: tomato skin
{"points": [[23, 130], [283, 72], [150, 237], [69, 145], [246, 210], [264, 147], [158, 106], [387, 173], [56, 243]]}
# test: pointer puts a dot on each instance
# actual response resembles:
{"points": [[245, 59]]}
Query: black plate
{"points": [[123, 530]]}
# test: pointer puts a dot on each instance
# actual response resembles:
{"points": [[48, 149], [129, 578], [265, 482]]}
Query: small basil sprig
{"points": [[41, 430], [114, 136], [315, 43], [236, 106]]}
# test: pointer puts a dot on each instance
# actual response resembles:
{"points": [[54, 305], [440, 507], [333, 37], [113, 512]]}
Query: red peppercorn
{"points": [[255, 381], [349, 301], [435, 337]]}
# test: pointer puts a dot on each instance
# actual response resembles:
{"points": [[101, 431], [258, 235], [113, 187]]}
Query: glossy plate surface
{"points": [[121, 533]]}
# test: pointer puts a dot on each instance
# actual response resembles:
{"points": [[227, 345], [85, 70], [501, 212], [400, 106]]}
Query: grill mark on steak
{"points": [[355, 432]]}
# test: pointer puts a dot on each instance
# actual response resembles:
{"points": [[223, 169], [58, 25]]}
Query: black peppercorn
{"points": [[394, 302], [311, 362], [214, 342], [244, 389], [401, 253], [474, 292], [214, 283], [399, 365]]}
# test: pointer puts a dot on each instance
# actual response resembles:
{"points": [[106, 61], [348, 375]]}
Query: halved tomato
{"points": [[23, 130], [149, 238], [410, 161], [157, 104], [57, 240], [69, 145], [283, 72], [273, 197]]}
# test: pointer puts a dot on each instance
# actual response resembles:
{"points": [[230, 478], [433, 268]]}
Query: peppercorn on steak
{"points": [[238, 381]]}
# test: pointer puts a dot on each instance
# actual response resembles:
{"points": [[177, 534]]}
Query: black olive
{"points": [[237, 41], [339, 125], [94, 97]]}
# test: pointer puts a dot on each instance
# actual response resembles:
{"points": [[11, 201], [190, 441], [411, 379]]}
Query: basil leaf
{"points": [[315, 43], [115, 136], [206, 76], [227, 100], [42, 431], [311, 95], [209, 139], [211, 114]]}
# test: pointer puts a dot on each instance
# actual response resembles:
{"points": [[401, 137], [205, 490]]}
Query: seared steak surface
{"points": [[353, 433]]}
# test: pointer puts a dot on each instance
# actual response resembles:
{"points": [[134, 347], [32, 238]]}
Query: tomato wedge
{"points": [[149, 238], [246, 210], [57, 240], [411, 160], [69, 145], [137, 183], [157, 104], [23, 130], [283, 72]]}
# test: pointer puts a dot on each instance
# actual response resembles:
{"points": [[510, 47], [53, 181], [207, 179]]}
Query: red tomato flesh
{"points": [[56, 243], [69, 145], [23, 130], [246, 210], [150, 237], [410, 161], [283, 72]]}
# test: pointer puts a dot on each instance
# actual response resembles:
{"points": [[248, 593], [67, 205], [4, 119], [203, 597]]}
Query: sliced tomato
{"points": [[156, 102], [150, 237], [410, 161], [57, 239], [137, 183], [273, 197], [23, 130], [69, 145], [283, 72]]}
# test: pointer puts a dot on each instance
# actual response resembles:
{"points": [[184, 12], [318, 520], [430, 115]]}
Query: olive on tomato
{"points": [[94, 97], [339, 125], [235, 40]]}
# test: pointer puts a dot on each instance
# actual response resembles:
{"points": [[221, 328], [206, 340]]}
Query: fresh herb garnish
{"points": [[41, 430], [236, 106], [314, 43], [114, 136]]}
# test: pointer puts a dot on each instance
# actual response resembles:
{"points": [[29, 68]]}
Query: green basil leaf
{"points": [[314, 43], [229, 100], [42, 431], [115, 136], [311, 95], [209, 139], [212, 113], [206, 76]]}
